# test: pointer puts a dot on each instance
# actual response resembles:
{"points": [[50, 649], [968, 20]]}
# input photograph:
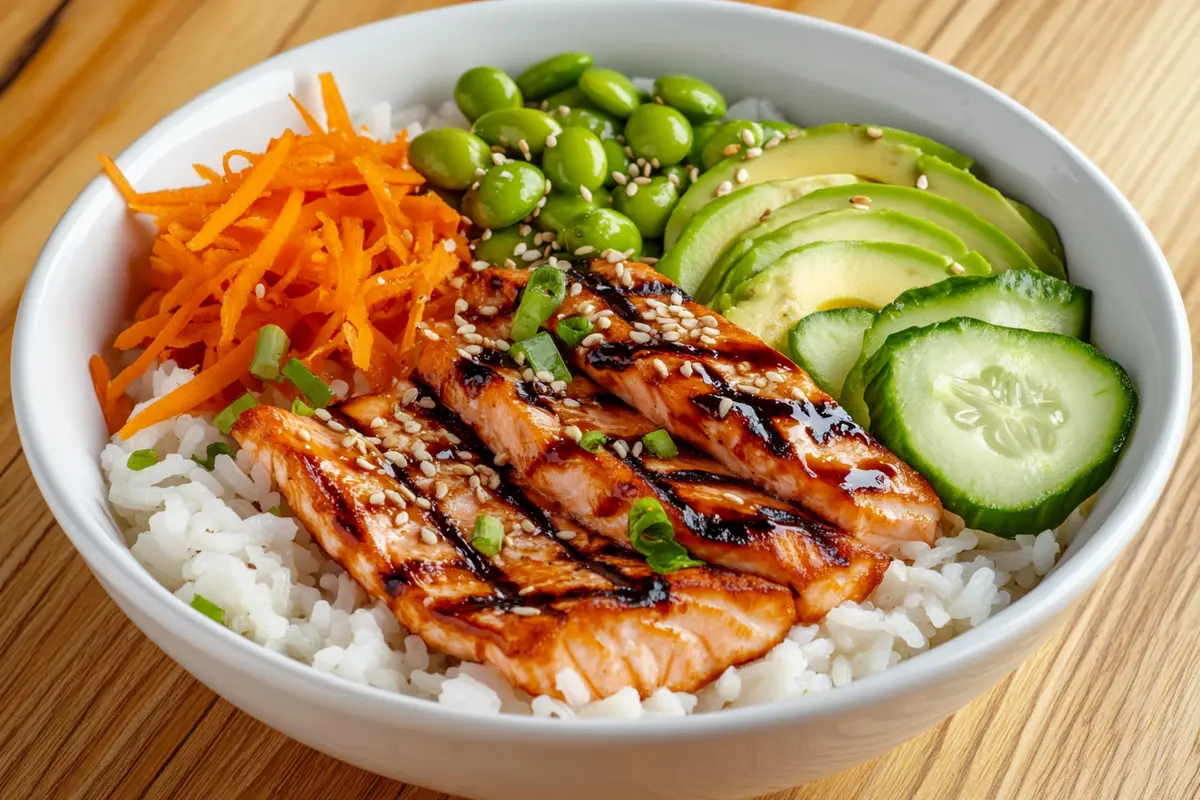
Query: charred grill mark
{"points": [[756, 412], [655, 591], [343, 513], [495, 358], [824, 535], [615, 297], [826, 421], [474, 376], [622, 355], [706, 526], [656, 288], [697, 476], [395, 581], [528, 393]]}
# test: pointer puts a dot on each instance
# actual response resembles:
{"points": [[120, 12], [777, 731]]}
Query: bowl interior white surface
{"points": [[815, 72]]}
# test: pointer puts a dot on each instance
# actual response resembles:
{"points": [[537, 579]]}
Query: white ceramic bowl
{"points": [[814, 71]]}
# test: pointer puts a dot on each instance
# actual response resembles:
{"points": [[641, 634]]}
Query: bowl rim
{"points": [[109, 558]]}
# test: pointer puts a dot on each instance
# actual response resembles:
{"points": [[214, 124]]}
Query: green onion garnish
{"points": [[224, 421], [140, 459], [301, 408], [660, 444], [275, 511], [488, 536], [272, 345], [544, 293], [592, 441], [651, 534], [208, 608], [541, 355], [215, 449], [315, 390], [573, 330]]}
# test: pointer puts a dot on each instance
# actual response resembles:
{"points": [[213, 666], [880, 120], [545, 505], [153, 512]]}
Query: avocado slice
{"points": [[947, 154], [691, 257], [826, 275], [848, 148], [1043, 226], [846, 224]]}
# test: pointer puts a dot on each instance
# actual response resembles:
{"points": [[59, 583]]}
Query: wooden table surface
{"points": [[1109, 709]]}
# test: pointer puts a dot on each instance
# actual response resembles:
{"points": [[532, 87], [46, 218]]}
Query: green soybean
{"points": [[610, 90], [572, 97], [741, 134], [553, 75], [773, 128], [659, 133], [595, 121], [696, 99], [616, 160], [649, 206], [576, 159], [506, 194], [483, 89], [680, 176], [561, 209], [501, 247], [599, 231], [449, 157], [508, 127], [700, 135]]}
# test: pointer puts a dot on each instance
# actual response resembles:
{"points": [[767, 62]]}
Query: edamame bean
{"points": [[508, 127], [616, 160], [553, 75], [501, 247], [649, 206], [732, 138], [659, 132], [700, 135], [600, 230], [570, 98], [576, 159], [561, 209], [449, 157], [697, 100], [597, 122], [610, 90], [679, 176], [773, 128], [506, 194], [483, 89]]}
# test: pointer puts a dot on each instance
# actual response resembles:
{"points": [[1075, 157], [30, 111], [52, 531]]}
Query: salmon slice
{"points": [[535, 425], [390, 488], [723, 390]]}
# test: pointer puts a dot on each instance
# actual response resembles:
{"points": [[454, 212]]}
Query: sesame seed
{"points": [[520, 249], [487, 234], [710, 331], [479, 266], [957, 268], [860, 206], [488, 311], [500, 460], [429, 536], [686, 369], [576, 288], [709, 320], [525, 611], [474, 350], [422, 503], [641, 326], [480, 494], [260, 291], [362, 462], [637, 449], [860, 200], [570, 402], [502, 345], [462, 469], [394, 496], [689, 323], [304, 435], [639, 337], [760, 382], [430, 335], [731, 149], [619, 177], [772, 375], [585, 193], [558, 386], [629, 154], [428, 468], [620, 448], [439, 490], [708, 340], [545, 376], [449, 245], [676, 298], [742, 175], [613, 256], [498, 158], [724, 407], [401, 518], [591, 340], [922, 182], [412, 426], [407, 493], [794, 132], [754, 152], [671, 336], [874, 133], [528, 526], [334, 425], [348, 441], [474, 338], [399, 459], [480, 172], [376, 499], [566, 536], [464, 353], [631, 189], [551, 141], [642, 181], [322, 415], [586, 249], [573, 432], [532, 255], [661, 368], [733, 498], [724, 188], [775, 140]]}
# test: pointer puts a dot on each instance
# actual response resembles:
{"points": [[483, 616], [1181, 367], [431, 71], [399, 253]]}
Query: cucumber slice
{"points": [[825, 344], [1014, 429], [1016, 299]]}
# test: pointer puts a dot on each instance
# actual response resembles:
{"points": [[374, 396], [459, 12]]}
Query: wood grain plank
{"points": [[1107, 709]]}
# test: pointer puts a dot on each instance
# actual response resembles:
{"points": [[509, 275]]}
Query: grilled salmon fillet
{"points": [[723, 390], [535, 425], [391, 486]]}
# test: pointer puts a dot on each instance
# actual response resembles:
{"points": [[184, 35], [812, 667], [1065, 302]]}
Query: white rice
{"points": [[210, 533]]}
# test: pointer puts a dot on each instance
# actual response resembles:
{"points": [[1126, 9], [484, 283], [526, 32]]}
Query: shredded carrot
{"points": [[328, 234]]}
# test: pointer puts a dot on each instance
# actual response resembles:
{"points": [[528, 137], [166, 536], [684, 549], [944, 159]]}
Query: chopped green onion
{"points": [[651, 534], [140, 459], [208, 608], [544, 293], [573, 330], [541, 355], [275, 511], [272, 345], [488, 536], [224, 421], [660, 444], [592, 441], [301, 408], [215, 449], [315, 390]]}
